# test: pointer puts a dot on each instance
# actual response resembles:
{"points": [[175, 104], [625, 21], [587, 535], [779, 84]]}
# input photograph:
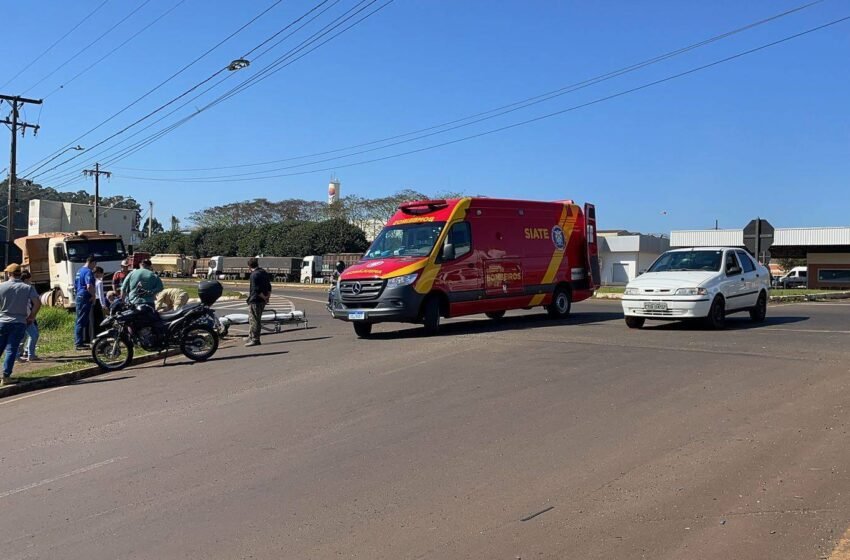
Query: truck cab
{"points": [[311, 269], [54, 259]]}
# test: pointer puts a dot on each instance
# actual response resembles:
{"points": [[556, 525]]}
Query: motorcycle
{"points": [[193, 329], [338, 270]]}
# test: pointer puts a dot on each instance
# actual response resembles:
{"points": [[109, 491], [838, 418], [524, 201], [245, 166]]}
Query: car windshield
{"points": [[407, 240], [103, 250], [708, 261]]}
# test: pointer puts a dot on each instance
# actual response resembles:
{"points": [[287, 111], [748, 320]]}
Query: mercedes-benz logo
{"points": [[356, 288]]}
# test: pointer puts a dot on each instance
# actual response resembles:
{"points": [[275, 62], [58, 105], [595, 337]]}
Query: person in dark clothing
{"points": [[258, 297]]}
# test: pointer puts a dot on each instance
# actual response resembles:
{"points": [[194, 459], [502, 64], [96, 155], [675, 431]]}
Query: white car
{"points": [[698, 283]]}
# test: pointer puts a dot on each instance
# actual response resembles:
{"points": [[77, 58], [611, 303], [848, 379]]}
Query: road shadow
{"points": [[93, 381], [518, 323], [733, 323], [252, 355], [296, 340]]}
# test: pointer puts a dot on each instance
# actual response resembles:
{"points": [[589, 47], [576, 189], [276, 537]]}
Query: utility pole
{"points": [[150, 218], [96, 173], [16, 102]]}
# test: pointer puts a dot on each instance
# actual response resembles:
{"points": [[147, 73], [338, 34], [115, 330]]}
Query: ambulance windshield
{"points": [[407, 240]]}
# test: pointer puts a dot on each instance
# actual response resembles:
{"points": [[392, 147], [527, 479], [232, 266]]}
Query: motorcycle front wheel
{"points": [[199, 342], [112, 352]]}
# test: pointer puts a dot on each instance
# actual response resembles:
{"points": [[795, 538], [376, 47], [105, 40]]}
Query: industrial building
{"points": [[623, 254], [825, 249]]}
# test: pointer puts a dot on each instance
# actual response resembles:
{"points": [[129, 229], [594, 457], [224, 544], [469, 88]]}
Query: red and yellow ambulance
{"points": [[447, 258]]}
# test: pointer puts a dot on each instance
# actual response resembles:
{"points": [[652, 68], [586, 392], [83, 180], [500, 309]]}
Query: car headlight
{"points": [[405, 280], [631, 291], [691, 292]]}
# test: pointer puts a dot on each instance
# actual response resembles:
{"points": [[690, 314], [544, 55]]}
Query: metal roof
{"points": [[812, 236]]}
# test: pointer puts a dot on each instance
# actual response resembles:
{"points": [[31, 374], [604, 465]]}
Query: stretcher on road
{"points": [[272, 322]]}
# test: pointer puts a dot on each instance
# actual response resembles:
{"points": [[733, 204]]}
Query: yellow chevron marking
{"points": [[567, 223]]}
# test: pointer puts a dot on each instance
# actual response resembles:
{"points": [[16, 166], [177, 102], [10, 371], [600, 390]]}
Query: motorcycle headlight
{"points": [[631, 292], [405, 280], [691, 292]]}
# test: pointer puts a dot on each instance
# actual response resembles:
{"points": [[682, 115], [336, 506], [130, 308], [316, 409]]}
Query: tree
{"points": [[157, 227], [172, 242], [788, 263]]}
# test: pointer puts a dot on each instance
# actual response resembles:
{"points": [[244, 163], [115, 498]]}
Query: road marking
{"points": [[308, 299], [60, 477], [842, 549], [31, 395]]}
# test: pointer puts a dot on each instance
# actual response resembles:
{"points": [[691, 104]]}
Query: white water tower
{"points": [[333, 190]]}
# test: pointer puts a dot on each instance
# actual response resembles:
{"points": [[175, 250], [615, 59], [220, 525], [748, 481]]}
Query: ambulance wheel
{"points": [[561, 304], [496, 315], [362, 329], [431, 316]]}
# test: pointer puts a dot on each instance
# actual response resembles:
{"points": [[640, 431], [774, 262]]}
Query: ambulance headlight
{"points": [[400, 281]]}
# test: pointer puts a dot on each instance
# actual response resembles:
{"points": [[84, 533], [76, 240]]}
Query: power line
{"points": [[38, 165], [87, 47], [133, 36], [517, 124], [56, 42], [314, 38], [509, 108]]}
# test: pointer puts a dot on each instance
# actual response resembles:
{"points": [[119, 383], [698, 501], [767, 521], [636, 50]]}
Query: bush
{"points": [[55, 318]]}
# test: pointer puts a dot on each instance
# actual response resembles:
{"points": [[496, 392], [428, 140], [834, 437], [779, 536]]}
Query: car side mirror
{"points": [[448, 251], [734, 271], [58, 254]]}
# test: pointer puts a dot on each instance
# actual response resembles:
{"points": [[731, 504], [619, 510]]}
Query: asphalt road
{"points": [[669, 442]]}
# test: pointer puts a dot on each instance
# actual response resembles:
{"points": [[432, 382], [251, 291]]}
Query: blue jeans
{"points": [[32, 333], [11, 335], [81, 327]]}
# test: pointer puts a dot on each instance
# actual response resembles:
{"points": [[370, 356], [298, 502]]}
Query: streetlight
{"points": [[238, 64]]}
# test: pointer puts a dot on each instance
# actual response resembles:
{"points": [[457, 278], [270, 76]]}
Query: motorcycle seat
{"points": [[171, 315]]}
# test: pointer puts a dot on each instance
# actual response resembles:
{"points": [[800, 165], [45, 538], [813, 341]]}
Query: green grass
{"points": [[611, 290], [799, 292]]}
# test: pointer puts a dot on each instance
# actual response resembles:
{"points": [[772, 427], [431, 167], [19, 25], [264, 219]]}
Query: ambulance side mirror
{"points": [[340, 266], [448, 251]]}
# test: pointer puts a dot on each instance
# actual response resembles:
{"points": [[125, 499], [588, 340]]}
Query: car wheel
{"points": [[362, 329], [717, 314], [431, 316], [561, 304], [759, 312], [496, 315], [635, 322]]}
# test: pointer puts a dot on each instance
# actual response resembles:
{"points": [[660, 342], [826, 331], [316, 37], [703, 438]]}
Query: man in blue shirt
{"points": [[84, 286]]}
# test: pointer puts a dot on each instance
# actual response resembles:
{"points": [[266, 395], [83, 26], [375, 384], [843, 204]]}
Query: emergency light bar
{"points": [[422, 206]]}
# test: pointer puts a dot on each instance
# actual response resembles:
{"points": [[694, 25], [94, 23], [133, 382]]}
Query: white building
{"points": [[623, 255]]}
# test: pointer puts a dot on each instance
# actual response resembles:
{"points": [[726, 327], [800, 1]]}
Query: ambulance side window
{"points": [[461, 237]]}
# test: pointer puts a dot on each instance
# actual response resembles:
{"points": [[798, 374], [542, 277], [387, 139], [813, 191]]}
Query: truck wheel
{"points": [[635, 322], [496, 315], [362, 329], [561, 304], [431, 316], [759, 312], [717, 314]]}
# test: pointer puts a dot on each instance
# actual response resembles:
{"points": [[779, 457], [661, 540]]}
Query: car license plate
{"points": [[356, 315], [655, 305]]}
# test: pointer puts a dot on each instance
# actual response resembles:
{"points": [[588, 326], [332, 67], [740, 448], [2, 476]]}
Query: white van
{"points": [[797, 277]]}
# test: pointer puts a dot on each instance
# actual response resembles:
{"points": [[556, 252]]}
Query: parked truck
{"points": [[172, 265], [320, 268], [54, 259], [281, 269], [50, 216]]}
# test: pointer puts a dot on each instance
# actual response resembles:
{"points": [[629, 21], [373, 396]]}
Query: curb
{"points": [[71, 376]]}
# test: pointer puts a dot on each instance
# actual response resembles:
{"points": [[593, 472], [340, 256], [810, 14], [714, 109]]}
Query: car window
{"points": [[746, 261], [704, 260], [803, 274], [732, 266]]}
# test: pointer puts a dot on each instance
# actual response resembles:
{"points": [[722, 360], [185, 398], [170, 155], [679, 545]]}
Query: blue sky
{"points": [[767, 134]]}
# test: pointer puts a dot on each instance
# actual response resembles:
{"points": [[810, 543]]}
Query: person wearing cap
{"points": [[84, 286], [19, 305], [142, 285], [118, 277]]}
